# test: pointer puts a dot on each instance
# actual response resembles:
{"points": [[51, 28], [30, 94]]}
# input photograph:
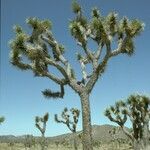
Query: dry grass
{"points": [[6, 146]]}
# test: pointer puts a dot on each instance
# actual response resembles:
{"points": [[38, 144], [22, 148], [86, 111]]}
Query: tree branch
{"points": [[100, 69], [58, 66], [55, 47], [54, 44], [83, 68], [88, 53], [98, 52], [66, 122], [38, 126], [127, 132], [54, 78], [119, 50]]}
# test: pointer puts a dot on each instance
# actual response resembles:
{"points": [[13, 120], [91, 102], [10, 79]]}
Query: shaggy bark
{"points": [[86, 119], [75, 141], [141, 145]]}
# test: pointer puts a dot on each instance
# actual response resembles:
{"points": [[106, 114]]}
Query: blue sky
{"points": [[20, 93]]}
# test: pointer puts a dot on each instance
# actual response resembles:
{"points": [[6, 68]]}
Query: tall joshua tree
{"points": [[40, 123], [137, 109], [2, 119], [70, 123], [42, 50]]}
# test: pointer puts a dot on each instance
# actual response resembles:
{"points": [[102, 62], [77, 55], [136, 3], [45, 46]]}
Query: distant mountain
{"points": [[104, 133], [107, 133]]}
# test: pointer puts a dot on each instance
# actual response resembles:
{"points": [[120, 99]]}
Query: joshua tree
{"points": [[137, 109], [97, 143], [2, 119], [42, 50], [115, 139], [29, 141], [11, 144], [65, 143], [70, 123], [113, 135], [40, 123], [57, 143]]}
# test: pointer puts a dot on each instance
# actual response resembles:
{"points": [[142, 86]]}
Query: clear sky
{"points": [[20, 93]]}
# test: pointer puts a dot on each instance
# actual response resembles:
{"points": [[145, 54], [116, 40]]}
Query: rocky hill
{"points": [[103, 133]]}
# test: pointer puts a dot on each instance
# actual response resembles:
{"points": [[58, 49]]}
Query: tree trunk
{"points": [[146, 133], [141, 145], [86, 122], [43, 142], [75, 142]]}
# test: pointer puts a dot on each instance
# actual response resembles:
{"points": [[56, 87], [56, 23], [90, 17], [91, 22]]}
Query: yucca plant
{"points": [[70, 120], [137, 109], [42, 51], [40, 123]]}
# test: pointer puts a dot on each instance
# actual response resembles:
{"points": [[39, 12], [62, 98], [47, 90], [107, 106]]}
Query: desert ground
{"points": [[19, 146]]}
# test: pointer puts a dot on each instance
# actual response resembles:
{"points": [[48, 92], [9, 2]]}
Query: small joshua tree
{"points": [[115, 139], [97, 143], [70, 123], [2, 119], [57, 143], [42, 50], [113, 135], [137, 109], [40, 123], [11, 144], [65, 143], [28, 141], [80, 136]]}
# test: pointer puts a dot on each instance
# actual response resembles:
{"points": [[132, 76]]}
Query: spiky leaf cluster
{"points": [[76, 7], [50, 94], [39, 25], [37, 51], [111, 21], [35, 47], [137, 108], [95, 13], [79, 25], [26, 46], [77, 30], [67, 120], [105, 29], [2, 119]]}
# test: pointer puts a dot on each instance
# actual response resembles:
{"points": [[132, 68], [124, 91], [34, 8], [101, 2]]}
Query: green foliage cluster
{"points": [[105, 29], [51, 94], [2, 119]]}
